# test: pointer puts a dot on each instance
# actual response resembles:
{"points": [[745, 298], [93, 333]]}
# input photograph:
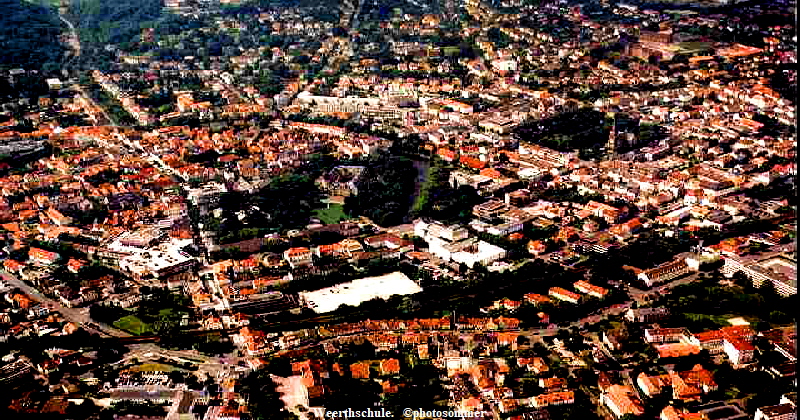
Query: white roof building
{"points": [[357, 291]]}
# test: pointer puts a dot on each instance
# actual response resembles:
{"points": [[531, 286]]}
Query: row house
{"points": [[590, 289], [564, 295], [664, 272]]}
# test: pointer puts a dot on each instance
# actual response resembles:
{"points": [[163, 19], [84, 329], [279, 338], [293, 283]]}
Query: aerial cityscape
{"points": [[405, 209]]}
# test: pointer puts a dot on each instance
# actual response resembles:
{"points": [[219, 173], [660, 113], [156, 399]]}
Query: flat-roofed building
{"points": [[355, 292]]}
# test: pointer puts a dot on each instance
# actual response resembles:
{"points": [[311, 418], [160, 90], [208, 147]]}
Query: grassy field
{"points": [[333, 214], [133, 325]]}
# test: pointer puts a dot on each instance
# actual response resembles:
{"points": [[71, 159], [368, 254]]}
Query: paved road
{"points": [[79, 315]]}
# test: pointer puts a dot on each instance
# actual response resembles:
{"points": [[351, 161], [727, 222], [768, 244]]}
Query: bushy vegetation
{"points": [[287, 202], [439, 200], [715, 302], [268, 405], [102, 22], [384, 190], [583, 129]]}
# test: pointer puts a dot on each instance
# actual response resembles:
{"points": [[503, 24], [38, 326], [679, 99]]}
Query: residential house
{"points": [[652, 385], [359, 370], [739, 351], [298, 256], [42, 257], [553, 384], [536, 299], [536, 247], [13, 266], [622, 400], [390, 367], [534, 364]]}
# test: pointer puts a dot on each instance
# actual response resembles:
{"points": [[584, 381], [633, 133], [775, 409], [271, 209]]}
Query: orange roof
{"points": [[41, 254], [677, 349], [75, 264], [472, 162], [297, 251], [491, 173], [11, 227], [707, 336], [359, 370], [553, 398], [536, 298], [586, 287], [739, 344], [561, 292], [390, 366], [228, 158], [701, 58], [447, 153], [13, 265], [625, 399]]}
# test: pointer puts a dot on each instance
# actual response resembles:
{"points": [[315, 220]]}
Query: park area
{"points": [[334, 213], [133, 325], [149, 323]]}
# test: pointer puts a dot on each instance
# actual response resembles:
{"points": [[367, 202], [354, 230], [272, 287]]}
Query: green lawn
{"points": [[133, 325], [333, 214]]}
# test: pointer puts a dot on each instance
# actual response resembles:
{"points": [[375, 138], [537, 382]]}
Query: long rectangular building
{"points": [[357, 291]]}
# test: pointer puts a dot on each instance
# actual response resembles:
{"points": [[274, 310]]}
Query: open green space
{"points": [[133, 325], [334, 213], [705, 304]]}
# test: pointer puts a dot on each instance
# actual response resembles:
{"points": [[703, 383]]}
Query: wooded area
{"points": [[29, 37]]}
